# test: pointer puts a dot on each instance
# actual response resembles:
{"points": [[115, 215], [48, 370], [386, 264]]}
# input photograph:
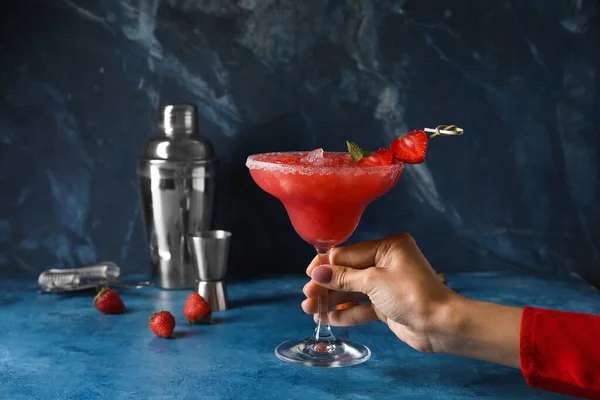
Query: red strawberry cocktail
{"points": [[325, 195]]}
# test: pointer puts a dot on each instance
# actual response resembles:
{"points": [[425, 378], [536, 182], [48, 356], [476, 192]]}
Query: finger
{"points": [[312, 289], [314, 263], [357, 315], [311, 305], [345, 279], [367, 254], [360, 255]]}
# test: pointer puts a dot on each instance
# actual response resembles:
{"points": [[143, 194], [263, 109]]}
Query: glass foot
{"points": [[324, 354]]}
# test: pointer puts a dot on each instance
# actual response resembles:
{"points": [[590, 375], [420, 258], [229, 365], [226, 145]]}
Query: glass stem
{"points": [[323, 331]]}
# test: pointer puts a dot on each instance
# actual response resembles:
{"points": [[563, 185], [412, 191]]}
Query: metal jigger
{"points": [[209, 251]]}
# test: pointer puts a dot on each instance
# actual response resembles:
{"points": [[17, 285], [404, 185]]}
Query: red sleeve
{"points": [[560, 351]]}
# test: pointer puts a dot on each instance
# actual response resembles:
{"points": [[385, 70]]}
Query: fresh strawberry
{"points": [[411, 147], [196, 309], [380, 157], [162, 324], [109, 302]]}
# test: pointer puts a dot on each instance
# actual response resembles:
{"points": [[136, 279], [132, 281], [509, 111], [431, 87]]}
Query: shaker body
{"points": [[178, 198]]}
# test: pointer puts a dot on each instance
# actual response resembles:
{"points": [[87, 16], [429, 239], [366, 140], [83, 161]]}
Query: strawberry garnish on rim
{"points": [[380, 157], [411, 147]]}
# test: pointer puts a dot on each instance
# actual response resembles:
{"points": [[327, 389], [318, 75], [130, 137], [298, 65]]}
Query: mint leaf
{"points": [[355, 151]]}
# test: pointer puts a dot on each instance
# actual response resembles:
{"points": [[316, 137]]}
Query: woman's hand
{"points": [[392, 273], [403, 291]]}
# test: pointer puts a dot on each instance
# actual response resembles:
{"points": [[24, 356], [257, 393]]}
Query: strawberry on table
{"points": [[197, 310], [109, 302], [162, 324], [411, 147]]}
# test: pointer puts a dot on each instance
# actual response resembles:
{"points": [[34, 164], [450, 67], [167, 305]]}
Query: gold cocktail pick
{"points": [[444, 130]]}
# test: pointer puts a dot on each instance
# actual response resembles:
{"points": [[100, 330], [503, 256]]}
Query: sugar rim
{"points": [[253, 163]]}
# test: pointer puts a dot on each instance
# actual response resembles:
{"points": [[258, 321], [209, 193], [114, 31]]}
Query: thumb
{"points": [[344, 279]]}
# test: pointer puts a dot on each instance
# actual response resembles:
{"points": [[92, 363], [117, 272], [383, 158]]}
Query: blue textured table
{"points": [[61, 347]]}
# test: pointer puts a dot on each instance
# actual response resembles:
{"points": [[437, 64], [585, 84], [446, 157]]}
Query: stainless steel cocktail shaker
{"points": [[177, 172]]}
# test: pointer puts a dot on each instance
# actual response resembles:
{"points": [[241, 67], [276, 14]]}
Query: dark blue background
{"points": [[80, 82]]}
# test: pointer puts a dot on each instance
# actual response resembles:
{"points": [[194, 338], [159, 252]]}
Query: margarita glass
{"points": [[325, 195]]}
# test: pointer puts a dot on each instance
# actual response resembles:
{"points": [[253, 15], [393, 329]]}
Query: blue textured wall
{"points": [[80, 82]]}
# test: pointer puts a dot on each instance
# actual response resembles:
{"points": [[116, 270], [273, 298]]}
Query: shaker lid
{"points": [[177, 138]]}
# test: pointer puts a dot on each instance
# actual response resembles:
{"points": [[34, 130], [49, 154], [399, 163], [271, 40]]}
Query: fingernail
{"points": [[322, 274]]}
